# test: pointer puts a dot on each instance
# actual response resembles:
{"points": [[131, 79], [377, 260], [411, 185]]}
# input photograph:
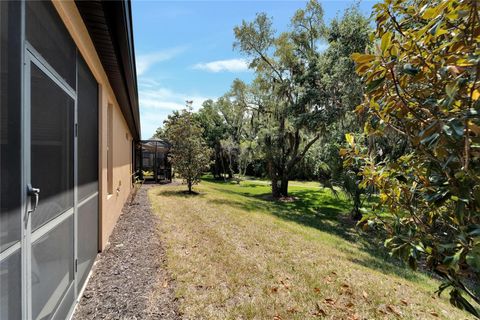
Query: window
{"points": [[110, 149]]}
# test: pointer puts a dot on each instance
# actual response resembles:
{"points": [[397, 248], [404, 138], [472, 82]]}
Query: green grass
{"points": [[238, 255]]}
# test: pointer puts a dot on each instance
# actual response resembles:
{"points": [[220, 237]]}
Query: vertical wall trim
{"points": [[100, 168], [23, 184], [26, 130], [110, 148], [75, 182]]}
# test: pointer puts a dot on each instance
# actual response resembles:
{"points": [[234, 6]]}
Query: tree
{"points": [[422, 82], [344, 89], [159, 133], [333, 174], [214, 130], [190, 153], [233, 109], [291, 112], [225, 123]]}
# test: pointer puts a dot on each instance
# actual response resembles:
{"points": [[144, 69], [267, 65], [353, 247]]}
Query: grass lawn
{"points": [[237, 255]]}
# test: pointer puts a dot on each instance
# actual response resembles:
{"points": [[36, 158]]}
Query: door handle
{"points": [[34, 194]]}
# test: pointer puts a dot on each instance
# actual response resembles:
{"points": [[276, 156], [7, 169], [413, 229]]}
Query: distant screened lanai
{"points": [[153, 162]]}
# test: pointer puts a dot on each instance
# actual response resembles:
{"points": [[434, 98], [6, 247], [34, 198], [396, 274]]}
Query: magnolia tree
{"points": [[422, 82], [190, 153]]}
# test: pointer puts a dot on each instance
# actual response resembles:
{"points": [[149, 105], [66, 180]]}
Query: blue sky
{"points": [[184, 49]]}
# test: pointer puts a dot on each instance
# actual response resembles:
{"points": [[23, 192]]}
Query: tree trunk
{"points": [[284, 186], [223, 165], [275, 189], [356, 214], [274, 179], [217, 166], [189, 183]]}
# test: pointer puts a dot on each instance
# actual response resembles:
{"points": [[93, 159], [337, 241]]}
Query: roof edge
{"points": [[110, 26]]}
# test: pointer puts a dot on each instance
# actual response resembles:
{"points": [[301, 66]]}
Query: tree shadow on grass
{"points": [[250, 183], [179, 194], [321, 210]]}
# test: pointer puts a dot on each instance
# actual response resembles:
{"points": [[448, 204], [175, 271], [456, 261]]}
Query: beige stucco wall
{"points": [[110, 204]]}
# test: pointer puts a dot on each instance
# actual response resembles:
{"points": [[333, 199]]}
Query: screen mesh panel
{"points": [[52, 269], [87, 132], [10, 125], [52, 120], [87, 238], [48, 35], [10, 292]]}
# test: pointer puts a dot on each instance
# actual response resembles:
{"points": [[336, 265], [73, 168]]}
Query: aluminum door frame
{"points": [[32, 56]]}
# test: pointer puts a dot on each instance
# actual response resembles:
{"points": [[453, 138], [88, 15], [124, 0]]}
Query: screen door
{"points": [[50, 150]]}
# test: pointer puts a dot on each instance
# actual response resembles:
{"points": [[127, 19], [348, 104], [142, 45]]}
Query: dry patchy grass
{"points": [[236, 255]]}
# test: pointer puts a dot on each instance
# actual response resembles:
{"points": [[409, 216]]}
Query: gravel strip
{"points": [[129, 280]]}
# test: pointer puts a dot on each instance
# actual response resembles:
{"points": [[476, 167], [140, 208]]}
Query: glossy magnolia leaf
{"points": [[430, 140], [451, 89], [350, 139], [474, 230], [452, 261], [447, 130], [394, 50], [459, 301], [429, 13], [473, 259], [454, 129], [360, 58], [375, 84], [458, 127], [411, 70], [386, 40], [476, 94]]}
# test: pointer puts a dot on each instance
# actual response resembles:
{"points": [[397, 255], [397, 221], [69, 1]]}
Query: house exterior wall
{"points": [[110, 205]]}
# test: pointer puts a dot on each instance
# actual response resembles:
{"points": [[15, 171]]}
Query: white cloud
{"points": [[145, 61], [231, 65], [157, 102], [165, 99]]}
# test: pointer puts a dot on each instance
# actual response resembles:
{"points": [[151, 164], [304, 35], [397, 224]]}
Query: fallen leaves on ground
{"points": [[285, 285], [394, 310], [292, 310], [320, 312], [365, 295], [254, 261], [354, 317]]}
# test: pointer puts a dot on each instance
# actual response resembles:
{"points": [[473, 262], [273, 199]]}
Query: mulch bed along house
{"points": [[129, 280]]}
